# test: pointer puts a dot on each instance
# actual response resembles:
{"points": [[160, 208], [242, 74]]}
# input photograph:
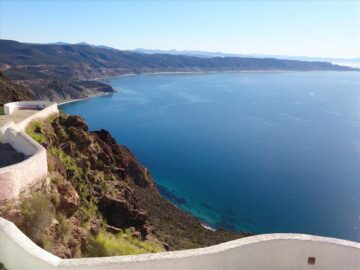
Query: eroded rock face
{"points": [[75, 122], [69, 198], [10, 91], [97, 184], [121, 213], [105, 171]]}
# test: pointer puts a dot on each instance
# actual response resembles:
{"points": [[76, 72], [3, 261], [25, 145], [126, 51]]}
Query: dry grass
{"points": [[123, 243], [39, 213]]}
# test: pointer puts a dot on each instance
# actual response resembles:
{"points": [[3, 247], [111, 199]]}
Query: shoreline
{"points": [[212, 72], [104, 79], [82, 99], [197, 72]]}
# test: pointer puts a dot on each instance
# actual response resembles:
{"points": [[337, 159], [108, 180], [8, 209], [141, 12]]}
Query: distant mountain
{"points": [[203, 54], [80, 43], [351, 62], [56, 43], [83, 61], [62, 66]]}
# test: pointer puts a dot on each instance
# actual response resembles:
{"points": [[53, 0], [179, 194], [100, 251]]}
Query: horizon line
{"points": [[236, 54]]}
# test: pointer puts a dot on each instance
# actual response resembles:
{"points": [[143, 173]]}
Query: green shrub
{"points": [[64, 227], [67, 161], [123, 243], [1, 113], [36, 131]]}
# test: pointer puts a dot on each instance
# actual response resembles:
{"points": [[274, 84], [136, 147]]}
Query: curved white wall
{"points": [[9, 108], [265, 252], [15, 178], [51, 109]]}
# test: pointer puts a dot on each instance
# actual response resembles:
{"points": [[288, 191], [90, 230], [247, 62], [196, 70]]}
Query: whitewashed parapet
{"points": [[261, 252], [11, 107], [50, 109], [15, 178]]}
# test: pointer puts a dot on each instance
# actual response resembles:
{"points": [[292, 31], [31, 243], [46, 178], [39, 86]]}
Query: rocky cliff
{"points": [[61, 90], [99, 200], [10, 91]]}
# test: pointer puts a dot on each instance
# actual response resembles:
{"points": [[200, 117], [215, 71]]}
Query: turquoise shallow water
{"points": [[258, 152]]}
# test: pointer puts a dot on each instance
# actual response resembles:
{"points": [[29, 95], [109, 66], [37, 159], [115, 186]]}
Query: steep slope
{"points": [[60, 90], [99, 201], [10, 91]]}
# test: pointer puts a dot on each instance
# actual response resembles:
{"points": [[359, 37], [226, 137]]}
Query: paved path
{"points": [[9, 156], [17, 116]]}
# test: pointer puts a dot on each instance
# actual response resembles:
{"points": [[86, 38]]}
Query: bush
{"points": [[64, 227], [39, 212], [36, 131], [123, 243]]}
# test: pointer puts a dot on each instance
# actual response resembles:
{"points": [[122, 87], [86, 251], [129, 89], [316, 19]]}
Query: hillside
{"points": [[10, 91], [56, 71], [99, 200]]}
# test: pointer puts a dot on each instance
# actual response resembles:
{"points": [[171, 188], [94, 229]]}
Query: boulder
{"points": [[75, 121], [121, 213], [70, 200]]}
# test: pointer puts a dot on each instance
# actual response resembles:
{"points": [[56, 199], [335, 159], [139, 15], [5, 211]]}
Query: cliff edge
{"points": [[99, 200]]}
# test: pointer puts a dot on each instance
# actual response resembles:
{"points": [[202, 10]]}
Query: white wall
{"points": [[9, 108], [15, 178], [48, 111], [266, 252]]}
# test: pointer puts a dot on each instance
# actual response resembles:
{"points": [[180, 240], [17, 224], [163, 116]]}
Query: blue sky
{"points": [[308, 28]]}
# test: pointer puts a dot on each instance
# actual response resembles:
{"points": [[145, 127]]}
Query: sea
{"points": [[258, 152]]}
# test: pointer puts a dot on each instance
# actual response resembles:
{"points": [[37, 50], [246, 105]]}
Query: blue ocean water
{"points": [[257, 152]]}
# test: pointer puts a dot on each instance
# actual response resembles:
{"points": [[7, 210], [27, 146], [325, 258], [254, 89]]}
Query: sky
{"points": [[296, 28]]}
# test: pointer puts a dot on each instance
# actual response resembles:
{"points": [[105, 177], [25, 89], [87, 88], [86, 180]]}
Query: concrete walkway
{"points": [[16, 117], [9, 156]]}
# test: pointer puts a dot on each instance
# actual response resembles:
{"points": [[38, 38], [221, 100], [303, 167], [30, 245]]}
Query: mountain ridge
{"points": [[56, 72]]}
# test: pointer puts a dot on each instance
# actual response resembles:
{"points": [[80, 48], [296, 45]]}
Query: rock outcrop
{"points": [[10, 91], [100, 197]]}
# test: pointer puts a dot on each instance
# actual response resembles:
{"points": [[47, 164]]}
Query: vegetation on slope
{"points": [[98, 200]]}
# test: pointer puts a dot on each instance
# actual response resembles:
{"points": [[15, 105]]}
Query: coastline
{"points": [[195, 72], [82, 99], [104, 79]]}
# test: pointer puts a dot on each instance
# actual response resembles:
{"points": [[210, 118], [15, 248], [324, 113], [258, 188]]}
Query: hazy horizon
{"points": [[324, 29]]}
